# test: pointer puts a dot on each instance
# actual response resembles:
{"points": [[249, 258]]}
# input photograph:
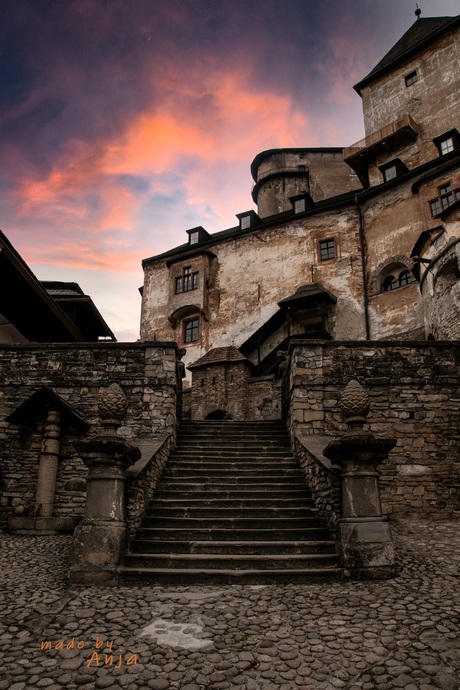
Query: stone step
{"points": [[235, 547], [235, 451], [205, 489], [230, 561], [217, 512], [227, 503], [238, 465], [159, 522], [248, 474], [206, 576], [235, 534]]}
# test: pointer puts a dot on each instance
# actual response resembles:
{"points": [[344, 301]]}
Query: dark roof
{"points": [[315, 293], [187, 251], [218, 355], [422, 32], [46, 399]]}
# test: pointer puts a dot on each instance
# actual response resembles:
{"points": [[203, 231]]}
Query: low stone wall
{"points": [[322, 477], [143, 477], [414, 390], [77, 373]]}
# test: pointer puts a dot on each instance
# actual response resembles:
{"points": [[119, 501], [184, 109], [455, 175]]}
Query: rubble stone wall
{"points": [[145, 371], [414, 390]]}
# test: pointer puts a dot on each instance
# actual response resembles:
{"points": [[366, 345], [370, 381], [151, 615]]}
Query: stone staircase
{"points": [[231, 507]]}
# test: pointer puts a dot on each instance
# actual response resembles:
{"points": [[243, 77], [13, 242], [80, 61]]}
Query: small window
{"points": [[245, 222], [191, 331], [411, 78], [447, 142], [405, 278], [399, 277], [447, 196], [194, 237], [446, 146], [390, 173], [390, 283], [188, 280], [300, 205], [326, 249], [302, 168]]}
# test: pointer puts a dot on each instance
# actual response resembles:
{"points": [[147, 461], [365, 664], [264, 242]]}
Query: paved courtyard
{"points": [[402, 633]]}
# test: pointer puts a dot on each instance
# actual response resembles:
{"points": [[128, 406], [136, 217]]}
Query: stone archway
{"points": [[219, 414]]}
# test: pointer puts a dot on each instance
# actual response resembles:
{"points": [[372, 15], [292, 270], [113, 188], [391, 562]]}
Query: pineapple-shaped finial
{"points": [[354, 401], [113, 406]]}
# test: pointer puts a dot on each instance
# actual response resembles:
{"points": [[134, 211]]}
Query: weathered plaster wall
{"points": [[414, 395], [430, 99], [255, 271], [78, 373]]}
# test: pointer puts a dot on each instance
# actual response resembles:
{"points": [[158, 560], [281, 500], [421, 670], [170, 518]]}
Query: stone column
{"points": [[100, 539], [47, 471], [363, 534]]}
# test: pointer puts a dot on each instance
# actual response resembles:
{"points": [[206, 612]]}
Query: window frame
{"points": [[447, 195], [188, 280], [327, 248], [189, 330], [411, 78]]}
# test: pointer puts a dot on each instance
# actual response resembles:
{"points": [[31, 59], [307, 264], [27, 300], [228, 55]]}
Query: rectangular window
{"points": [[446, 146], [446, 196], [245, 222], [191, 331], [411, 78], [187, 281], [194, 237], [300, 206], [326, 249], [390, 173], [435, 207]]}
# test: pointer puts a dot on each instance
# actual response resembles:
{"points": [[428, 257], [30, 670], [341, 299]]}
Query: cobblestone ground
{"points": [[402, 633]]}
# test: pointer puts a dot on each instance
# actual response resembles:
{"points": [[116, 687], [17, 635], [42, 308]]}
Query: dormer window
{"points": [[300, 205], [197, 235], [194, 237], [411, 78], [248, 219], [447, 142], [393, 169]]}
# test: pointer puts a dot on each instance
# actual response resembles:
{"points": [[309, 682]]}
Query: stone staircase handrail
{"points": [[144, 475]]}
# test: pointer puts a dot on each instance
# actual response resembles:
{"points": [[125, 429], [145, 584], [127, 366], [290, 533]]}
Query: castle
{"points": [[349, 269], [358, 243]]}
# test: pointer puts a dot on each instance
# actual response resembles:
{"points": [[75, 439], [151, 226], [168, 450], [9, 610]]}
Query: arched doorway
{"points": [[218, 414]]}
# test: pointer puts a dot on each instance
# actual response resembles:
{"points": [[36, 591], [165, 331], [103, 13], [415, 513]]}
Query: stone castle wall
{"points": [[78, 373], [414, 394]]}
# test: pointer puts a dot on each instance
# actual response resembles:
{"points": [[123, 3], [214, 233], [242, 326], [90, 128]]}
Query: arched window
{"points": [[390, 283], [395, 276]]}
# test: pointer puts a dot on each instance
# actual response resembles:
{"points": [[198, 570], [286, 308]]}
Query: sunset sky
{"points": [[126, 122]]}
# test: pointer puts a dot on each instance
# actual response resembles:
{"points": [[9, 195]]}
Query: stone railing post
{"points": [[100, 539], [363, 534], [47, 470]]}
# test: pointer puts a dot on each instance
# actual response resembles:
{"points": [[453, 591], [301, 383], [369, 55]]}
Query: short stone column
{"points": [[47, 470], [363, 534], [100, 539]]}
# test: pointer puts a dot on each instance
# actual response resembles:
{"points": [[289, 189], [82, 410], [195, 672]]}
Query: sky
{"points": [[123, 123]]}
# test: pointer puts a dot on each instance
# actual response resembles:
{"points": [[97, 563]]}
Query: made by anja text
{"points": [[98, 657]]}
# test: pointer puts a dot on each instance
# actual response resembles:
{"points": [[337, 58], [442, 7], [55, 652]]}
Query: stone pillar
{"points": [[100, 539], [363, 534], [47, 471]]}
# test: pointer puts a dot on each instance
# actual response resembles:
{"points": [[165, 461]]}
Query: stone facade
{"points": [[77, 373], [414, 397], [345, 220]]}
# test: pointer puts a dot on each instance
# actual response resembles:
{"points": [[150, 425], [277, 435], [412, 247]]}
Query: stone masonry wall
{"points": [[145, 371], [415, 397]]}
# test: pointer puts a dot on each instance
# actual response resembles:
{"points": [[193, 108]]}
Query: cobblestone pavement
{"points": [[402, 633]]}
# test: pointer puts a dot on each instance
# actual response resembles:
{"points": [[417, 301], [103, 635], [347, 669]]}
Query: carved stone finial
{"points": [[354, 401], [112, 406]]}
